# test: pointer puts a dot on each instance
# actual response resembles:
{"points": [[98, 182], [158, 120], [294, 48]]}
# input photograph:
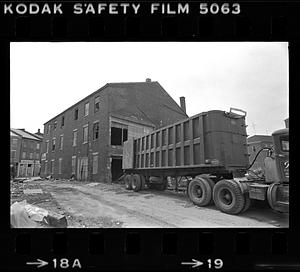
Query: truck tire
{"points": [[247, 203], [128, 182], [143, 182], [136, 182], [199, 192], [211, 184], [228, 197]]}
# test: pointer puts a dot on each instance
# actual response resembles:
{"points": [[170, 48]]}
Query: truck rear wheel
{"points": [[143, 182], [247, 203], [211, 184], [128, 182], [228, 197], [136, 182], [199, 191]]}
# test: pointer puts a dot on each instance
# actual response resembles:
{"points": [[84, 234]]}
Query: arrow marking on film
{"points": [[195, 263], [39, 262]]}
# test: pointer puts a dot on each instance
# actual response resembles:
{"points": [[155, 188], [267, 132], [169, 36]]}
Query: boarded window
{"points": [[164, 137], [74, 138], [178, 133], [46, 168], [52, 167], [186, 132], [97, 103], [178, 157], [59, 165], [95, 164], [85, 134], [61, 142], [171, 136], [73, 165], [13, 154], [95, 131], [86, 109]]}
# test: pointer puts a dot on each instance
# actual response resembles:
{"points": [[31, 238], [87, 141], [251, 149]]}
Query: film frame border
{"points": [[112, 249]]}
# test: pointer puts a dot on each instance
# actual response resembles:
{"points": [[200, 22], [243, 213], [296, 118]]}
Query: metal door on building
{"points": [[82, 170]]}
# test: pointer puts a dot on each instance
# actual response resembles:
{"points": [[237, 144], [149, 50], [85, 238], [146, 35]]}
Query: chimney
{"points": [[39, 131], [182, 103], [148, 79]]}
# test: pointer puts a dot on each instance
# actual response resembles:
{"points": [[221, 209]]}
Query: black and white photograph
{"points": [[149, 135]]}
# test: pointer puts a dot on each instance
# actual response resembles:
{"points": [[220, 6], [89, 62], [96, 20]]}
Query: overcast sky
{"points": [[47, 78]]}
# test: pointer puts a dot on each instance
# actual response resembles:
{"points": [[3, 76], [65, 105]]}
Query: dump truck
{"points": [[207, 156]]}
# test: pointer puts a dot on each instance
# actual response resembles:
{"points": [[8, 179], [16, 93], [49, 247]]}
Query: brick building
{"points": [[256, 143], [25, 152], [85, 141]]}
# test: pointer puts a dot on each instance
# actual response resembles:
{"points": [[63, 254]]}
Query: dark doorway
{"points": [[116, 168]]}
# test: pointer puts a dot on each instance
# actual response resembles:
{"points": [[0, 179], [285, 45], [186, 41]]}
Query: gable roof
{"points": [[24, 134], [146, 101]]}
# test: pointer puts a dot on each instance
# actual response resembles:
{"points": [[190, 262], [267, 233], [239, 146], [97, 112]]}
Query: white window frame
{"points": [[87, 134], [73, 167], [47, 146], [52, 165], [86, 109], [61, 142], [75, 131], [59, 165], [94, 164]]}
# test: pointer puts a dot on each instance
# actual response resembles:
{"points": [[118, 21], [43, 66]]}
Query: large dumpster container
{"points": [[214, 138]]}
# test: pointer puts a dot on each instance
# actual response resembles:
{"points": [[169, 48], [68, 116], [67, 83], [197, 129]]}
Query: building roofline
{"points": [[74, 105], [38, 139], [116, 83]]}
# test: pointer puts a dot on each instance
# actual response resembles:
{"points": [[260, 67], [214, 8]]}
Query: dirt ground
{"points": [[99, 205]]}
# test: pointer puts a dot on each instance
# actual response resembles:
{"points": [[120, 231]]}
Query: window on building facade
{"points": [[24, 155], [48, 128], [97, 103], [55, 125], [61, 142], [37, 156], [75, 114], [14, 142], [85, 134], [59, 165], [53, 144], [95, 131], [95, 163], [74, 138], [62, 121], [38, 145], [13, 154], [47, 146], [46, 168], [86, 108], [118, 135], [24, 144], [73, 165], [31, 155], [253, 148], [52, 166]]}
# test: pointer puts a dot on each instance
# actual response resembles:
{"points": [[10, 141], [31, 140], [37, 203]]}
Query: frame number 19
{"points": [[215, 264]]}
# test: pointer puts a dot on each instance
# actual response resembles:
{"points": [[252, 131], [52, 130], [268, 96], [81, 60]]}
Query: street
{"points": [[98, 205]]}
